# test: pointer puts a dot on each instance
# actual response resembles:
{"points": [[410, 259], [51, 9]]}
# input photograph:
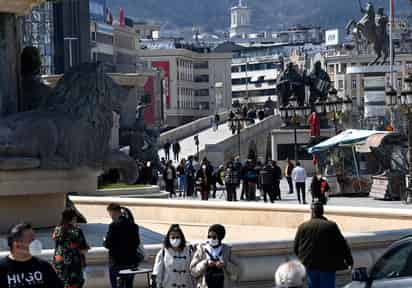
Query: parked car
{"points": [[392, 269]]}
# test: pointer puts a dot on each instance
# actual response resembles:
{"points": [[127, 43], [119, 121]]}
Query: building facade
{"points": [[38, 32], [71, 34], [195, 83], [254, 79]]}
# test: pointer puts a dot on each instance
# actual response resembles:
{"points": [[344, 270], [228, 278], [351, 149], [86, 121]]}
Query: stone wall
{"points": [[256, 135]]}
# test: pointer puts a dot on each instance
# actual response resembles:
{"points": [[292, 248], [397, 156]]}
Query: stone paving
{"points": [[335, 201]]}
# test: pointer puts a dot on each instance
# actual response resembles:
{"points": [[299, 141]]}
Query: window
{"points": [[331, 69], [354, 83], [202, 78], [201, 65], [397, 262], [340, 84], [235, 69], [202, 92], [287, 151]]}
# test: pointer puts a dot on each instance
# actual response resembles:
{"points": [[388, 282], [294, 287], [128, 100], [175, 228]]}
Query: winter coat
{"points": [[172, 268], [266, 176], [198, 266], [232, 177], [320, 245], [204, 178], [122, 240]]}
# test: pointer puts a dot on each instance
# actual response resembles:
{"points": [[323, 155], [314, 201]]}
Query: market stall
{"points": [[349, 172]]}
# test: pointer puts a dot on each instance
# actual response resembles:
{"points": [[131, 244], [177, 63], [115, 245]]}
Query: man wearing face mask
{"points": [[213, 264], [20, 269]]}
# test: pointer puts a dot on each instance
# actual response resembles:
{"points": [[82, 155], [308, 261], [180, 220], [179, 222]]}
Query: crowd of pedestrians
{"points": [[319, 246], [192, 178]]}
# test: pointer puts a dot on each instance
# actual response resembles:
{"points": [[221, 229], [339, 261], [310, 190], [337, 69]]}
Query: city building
{"points": [[342, 65], [254, 79], [147, 30], [38, 32], [240, 20], [71, 34], [197, 82]]}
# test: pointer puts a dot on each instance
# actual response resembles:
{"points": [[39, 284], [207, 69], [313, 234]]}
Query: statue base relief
{"points": [[38, 196]]}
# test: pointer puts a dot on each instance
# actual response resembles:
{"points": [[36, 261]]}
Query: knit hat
{"points": [[219, 230]]}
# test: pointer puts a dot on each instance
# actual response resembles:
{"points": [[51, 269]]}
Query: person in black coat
{"points": [[266, 182], [277, 176], [319, 188], [232, 181], [169, 176], [166, 147], [176, 150], [322, 249], [204, 180], [122, 240]]}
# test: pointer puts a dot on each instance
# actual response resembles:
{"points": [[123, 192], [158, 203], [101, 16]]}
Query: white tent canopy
{"points": [[347, 137]]}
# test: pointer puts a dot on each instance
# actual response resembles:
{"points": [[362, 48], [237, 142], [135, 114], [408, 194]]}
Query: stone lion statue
{"points": [[70, 129]]}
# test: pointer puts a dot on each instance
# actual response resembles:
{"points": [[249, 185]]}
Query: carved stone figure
{"points": [[71, 129], [319, 83], [34, 91], [144, 142], [371, 29], [291, 84]]}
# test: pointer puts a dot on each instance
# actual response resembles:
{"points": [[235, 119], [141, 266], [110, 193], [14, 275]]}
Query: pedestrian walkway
{"points": [[333, 201], [208, 136]]}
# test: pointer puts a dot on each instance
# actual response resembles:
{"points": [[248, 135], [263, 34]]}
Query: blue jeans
{"points": [[319, 279], [182, 183], [126, 282]]}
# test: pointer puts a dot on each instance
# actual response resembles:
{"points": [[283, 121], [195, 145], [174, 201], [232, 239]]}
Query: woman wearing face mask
{"points": [[171, 268], [213, 264], [71, 248]]}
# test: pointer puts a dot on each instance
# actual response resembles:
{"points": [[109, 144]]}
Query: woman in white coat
{"points": [[172, 264]]}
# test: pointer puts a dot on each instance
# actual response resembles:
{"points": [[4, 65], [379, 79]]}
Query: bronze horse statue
{"points": [[372, 30]]}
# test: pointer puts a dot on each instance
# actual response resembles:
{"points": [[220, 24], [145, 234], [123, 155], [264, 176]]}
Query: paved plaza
{"points": [[333, 201]]}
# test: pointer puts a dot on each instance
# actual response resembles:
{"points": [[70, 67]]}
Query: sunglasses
{"points": [[211, 237], [174, 237]]}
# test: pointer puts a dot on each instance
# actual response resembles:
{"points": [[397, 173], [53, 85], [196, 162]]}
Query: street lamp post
{"points": [[296, 112], [196, 138], [334, 105]]}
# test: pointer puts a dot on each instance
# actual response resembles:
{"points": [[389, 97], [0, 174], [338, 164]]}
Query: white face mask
{"points": [[214, 242], [35, 248], [175, 242], [204, 167]]}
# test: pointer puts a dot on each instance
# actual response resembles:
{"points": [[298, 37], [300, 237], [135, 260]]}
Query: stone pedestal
{"points": [[39, 196]]}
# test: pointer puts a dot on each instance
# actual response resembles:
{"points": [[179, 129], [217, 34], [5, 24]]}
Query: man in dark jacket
{"points": [[266, 182], [277, 176], [122, 240], [232, 181], [166, 147], [321, 247]]}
